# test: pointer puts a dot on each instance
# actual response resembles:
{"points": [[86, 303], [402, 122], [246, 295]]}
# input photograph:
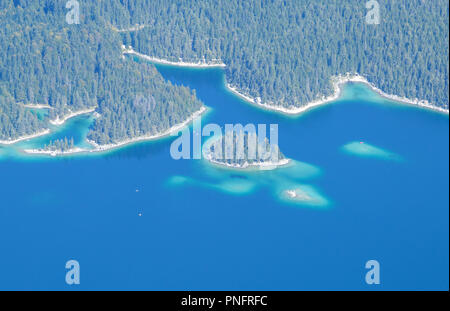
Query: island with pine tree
{"points": [[243, 150]]}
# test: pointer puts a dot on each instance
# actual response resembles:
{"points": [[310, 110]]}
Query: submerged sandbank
{"points": [[364, 149], [283, 187], [225, 185], [302, 195]]}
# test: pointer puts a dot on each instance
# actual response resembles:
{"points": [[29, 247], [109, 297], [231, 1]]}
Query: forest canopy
{"points": [[46, 61], [284, 52]]}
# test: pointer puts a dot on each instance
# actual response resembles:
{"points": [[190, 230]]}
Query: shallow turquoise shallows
{"points": [[372, 178]]}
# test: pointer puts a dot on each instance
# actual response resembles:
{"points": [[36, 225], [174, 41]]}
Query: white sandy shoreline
{"points": [[55, 153], [56, 122], [267, 165], [181, 63], [249, 166], [37, 106], [101, 148], [27, 137], [71, 115], [337, 83], [173, 129]]}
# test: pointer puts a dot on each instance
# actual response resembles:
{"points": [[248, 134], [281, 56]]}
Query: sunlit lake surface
{"points": [[371, 180]]}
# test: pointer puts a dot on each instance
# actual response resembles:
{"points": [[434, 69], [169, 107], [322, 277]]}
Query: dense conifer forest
{"points": [[44, 60], [284, 52], [60, 145], [240, 149]]}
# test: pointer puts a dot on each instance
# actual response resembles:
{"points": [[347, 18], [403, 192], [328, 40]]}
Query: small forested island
{"points": [[61, 145], [57, 147], [239, 149]]}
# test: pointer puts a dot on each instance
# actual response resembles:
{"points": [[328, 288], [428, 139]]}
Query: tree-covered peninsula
{"points": [[285, 52], [77, 67]]}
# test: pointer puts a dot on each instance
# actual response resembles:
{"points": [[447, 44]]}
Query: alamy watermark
{"points": [[73, 273], [373, 13], [73, 16], [233, 141], [146, 103], [373, 275]]}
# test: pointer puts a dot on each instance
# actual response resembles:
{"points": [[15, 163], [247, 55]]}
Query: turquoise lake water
{"points": [[134, 218]]}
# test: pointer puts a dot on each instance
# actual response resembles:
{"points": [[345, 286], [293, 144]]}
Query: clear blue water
{"points": [[203, 228]]}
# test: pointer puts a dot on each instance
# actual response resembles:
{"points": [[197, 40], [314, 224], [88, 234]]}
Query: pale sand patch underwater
{"points": [[300, 194], [299, 170], [363, 149], [178, 180], [236, 186], [229, 186], [293, 170], [245, 182]]}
